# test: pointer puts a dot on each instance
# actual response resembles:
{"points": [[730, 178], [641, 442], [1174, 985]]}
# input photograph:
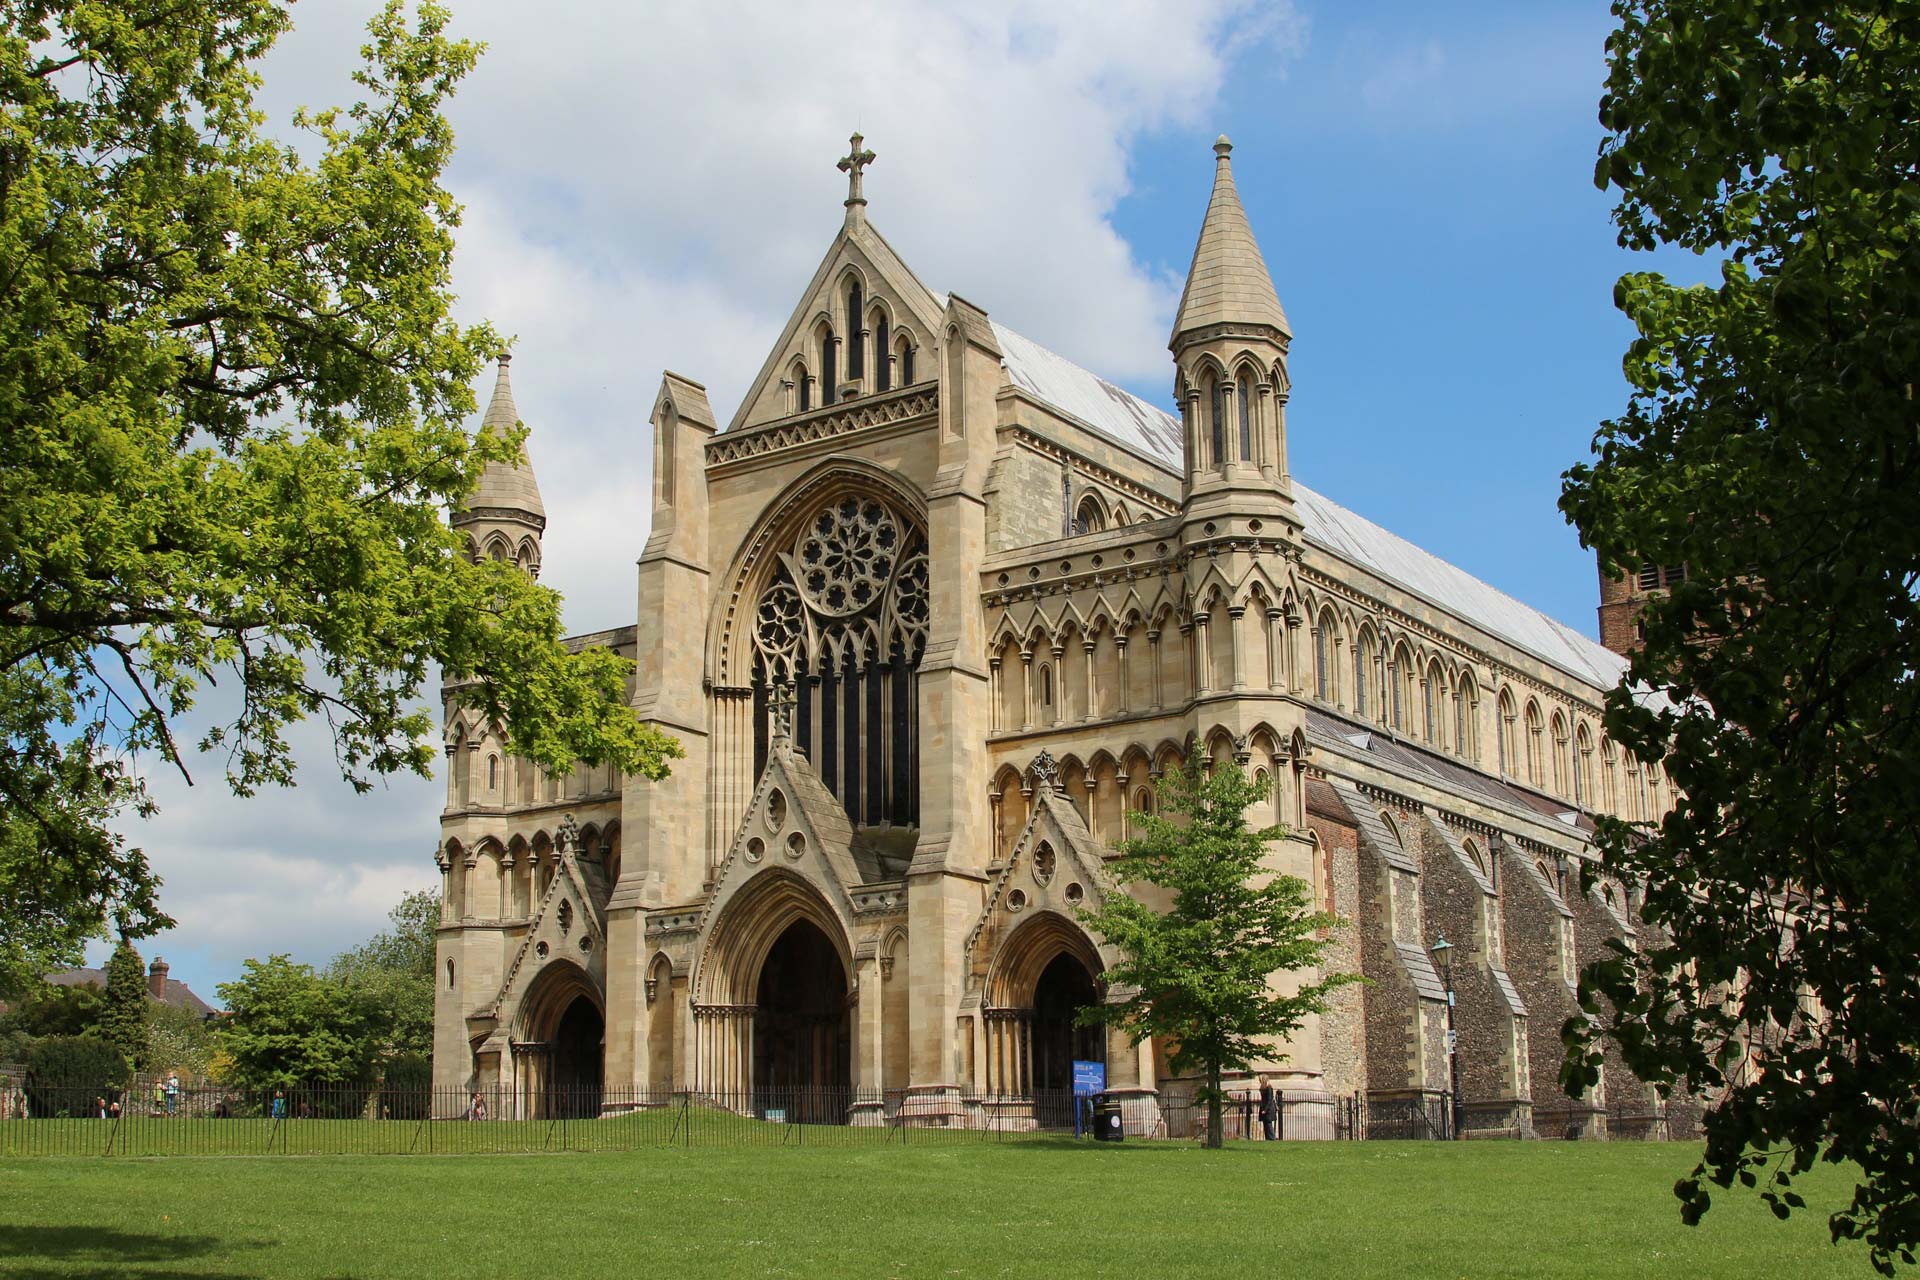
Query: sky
{"points": [[650, 187]]}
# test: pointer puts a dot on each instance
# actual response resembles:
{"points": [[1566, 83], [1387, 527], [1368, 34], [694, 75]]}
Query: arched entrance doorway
{"points": [[573, 1087], [1065, 988], [1045, 974], [802, 1029], [557, 1063]]}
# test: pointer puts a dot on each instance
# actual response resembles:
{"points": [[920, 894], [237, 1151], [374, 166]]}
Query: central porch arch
{"points": [[1047, 971], [772, 1014], [558, 1049]]}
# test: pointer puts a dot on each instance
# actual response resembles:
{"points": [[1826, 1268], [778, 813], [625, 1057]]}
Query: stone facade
{"points": [[930, 616]]}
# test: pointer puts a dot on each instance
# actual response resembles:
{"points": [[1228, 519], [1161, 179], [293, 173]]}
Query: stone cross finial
{"points": [[851, 164], [567, 839], [1045, 770], [782, 706]]}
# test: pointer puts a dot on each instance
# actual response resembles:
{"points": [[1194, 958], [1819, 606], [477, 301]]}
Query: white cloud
{"points": [[650, 189]]}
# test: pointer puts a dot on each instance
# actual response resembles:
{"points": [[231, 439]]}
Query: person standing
{"points": [[159, 1097], [1269, 1108], [173, 1091], [279, 1104]]}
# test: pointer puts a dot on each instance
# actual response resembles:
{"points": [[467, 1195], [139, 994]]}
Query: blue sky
{"points": [[652, 189]]}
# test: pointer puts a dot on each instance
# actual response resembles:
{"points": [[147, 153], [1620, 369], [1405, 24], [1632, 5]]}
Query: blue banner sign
{"points": [[1089, 1078]]}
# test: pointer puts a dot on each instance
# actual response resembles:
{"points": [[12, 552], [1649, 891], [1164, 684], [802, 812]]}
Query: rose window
{"points": [[846, 556]]}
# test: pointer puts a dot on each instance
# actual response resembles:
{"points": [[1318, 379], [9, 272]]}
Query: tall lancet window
{"points": [[1217, 411], [1244, 393], [856, 338], [806, 387], [826, 367], [881, 346], [843, 622]]}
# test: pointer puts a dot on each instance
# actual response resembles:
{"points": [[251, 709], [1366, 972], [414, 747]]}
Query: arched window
{"points": [[856, 336], [1244, 393], [493, 773], [1089, 518], [449, 975], [826, 368], [1503, 732], [1046, 686], [1535, 774], [906, 360], [1463, 717], [1397, 677], [1559, 755], [1217, 411], [882, 345], [806, 387], [1366, 666], [1143, 801], [1326, 643], [1582, 766], [1430, 724]]}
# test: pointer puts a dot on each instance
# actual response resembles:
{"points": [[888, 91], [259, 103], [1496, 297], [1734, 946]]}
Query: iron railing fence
{"points": [[339, 1119]]}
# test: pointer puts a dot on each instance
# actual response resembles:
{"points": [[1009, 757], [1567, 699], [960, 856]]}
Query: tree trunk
{"points": [[1215, 1125]]}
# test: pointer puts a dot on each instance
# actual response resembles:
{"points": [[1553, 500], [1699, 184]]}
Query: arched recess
{"points": [[829, 594], [558, 1043], [1045, 969], [661, 1027], [772, 1005], [894, 1014]]}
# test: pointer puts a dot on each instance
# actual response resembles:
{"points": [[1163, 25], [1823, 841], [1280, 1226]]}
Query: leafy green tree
{"points": [[231, 405], [54, 1009], [66, 1073], [177, 1039], [1199, 972], [123, 1019], [391, 975], [1770, 446], [287, 1025]]}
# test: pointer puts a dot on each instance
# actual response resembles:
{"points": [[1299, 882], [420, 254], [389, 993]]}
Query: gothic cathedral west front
{"points": [[930, 617]]}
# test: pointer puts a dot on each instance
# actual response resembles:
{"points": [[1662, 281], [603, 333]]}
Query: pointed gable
{"points": [[886, 279], [1227, 284], [569, 915]]}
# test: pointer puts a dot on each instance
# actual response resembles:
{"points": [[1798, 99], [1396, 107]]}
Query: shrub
{"points": [[407, 1091], [66, 1073]]}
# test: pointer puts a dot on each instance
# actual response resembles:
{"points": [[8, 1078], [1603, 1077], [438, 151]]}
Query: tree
{"points": [[56, 1009], [1199, 971], [123, 1017], [391, 975], [231, 404], [286, 1026], [178, 1038], [1770, 447], [66, 1073]]}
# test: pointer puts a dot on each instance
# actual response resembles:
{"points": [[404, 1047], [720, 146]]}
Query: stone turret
{"points": [[504, 518], [1229, 344]]}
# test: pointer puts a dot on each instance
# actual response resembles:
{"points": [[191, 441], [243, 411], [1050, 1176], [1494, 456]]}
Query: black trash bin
{"points": [[1106, 1120]]}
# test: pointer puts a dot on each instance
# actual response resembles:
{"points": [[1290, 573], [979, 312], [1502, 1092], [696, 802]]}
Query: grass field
{"points": [[1040, 1208]]}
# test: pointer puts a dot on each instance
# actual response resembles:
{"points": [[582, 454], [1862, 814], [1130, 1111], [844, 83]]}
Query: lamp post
{"points": [[1443, 952]]}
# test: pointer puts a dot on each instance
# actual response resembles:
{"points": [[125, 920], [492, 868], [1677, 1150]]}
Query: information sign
{"points": [[1089, 1078]]}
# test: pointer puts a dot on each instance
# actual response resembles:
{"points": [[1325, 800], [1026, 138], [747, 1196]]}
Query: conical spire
{"points": [[501, 484], [1228, 282]]}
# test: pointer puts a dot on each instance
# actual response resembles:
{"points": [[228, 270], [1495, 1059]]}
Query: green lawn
{"points": [[1029, 1208]]}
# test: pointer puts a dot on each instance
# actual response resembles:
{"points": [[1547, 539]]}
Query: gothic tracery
{"points": [[843, 620]]}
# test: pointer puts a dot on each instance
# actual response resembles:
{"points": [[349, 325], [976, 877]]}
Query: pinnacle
{"points": [[1228, 281], [502, 485]]}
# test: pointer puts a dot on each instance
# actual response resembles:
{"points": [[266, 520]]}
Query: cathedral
{"points": [[930, 616]]}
